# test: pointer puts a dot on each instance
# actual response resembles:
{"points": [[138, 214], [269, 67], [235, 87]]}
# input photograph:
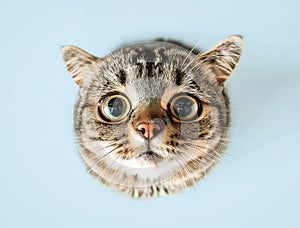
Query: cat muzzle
{"points": [[150, 155]]}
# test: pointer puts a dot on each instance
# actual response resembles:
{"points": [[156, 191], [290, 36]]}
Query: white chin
{"points": [[145, 167]]}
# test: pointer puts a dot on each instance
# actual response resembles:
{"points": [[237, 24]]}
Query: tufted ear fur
{"points": [[223, 57], [77, 61]]}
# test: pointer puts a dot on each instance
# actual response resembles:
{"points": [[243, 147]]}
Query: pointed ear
{"points": [[223, 57], [77, 62]]}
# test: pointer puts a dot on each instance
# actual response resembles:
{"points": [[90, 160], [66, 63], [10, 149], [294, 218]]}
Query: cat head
{"points": [[152, 117]]}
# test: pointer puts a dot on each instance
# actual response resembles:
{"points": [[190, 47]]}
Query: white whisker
{"points": [[191, 51]]}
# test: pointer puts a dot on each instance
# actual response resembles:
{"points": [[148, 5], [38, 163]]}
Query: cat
{"points": [[152, 117]]}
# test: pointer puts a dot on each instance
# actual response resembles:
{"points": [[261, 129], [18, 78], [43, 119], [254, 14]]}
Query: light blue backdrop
{"points": [[43, 182]]}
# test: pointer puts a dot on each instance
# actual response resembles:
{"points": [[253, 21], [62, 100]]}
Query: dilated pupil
{"points": [[183, 107], [115, 106]]}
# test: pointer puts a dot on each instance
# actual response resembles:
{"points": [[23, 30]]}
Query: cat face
{"points": [[152, 117]]}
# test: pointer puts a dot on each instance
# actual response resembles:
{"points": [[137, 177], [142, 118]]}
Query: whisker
{"points": [[97, 151], [109, 168], [188, 171], [100, 159], [206, 155], [199, 153], [196, 65], [190, 63], [83, 142], [118, 168], [189, 54], [181, 166]]}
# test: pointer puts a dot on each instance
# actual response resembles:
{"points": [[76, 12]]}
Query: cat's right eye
{"points": [[113, 108]]}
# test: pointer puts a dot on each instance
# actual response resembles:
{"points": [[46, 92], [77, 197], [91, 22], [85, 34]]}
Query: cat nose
{"points": [[149, 130]]}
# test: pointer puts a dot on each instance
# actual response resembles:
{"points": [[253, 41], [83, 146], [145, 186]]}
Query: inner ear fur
{"points": [[77, 61], [222, 58]]}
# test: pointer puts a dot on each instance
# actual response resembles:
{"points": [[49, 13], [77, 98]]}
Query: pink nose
{"points": [[149, 130]]}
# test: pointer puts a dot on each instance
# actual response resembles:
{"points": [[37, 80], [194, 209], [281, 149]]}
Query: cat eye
{"points": [[113, 108], [185, 108]]}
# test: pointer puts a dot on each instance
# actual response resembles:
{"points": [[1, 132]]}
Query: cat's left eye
{"points": [[113, 108], [185, 108]]}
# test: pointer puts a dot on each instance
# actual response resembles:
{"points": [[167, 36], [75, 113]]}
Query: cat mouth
{"points": [[150, 155]]}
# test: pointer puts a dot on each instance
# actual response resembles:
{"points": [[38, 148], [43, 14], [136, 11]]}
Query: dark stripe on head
{"points": [[194, 85], [122, 76], [139, 69], [178, 77], [150, 69]]}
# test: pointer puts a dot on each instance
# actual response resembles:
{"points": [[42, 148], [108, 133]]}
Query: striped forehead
{"points": [[147, 60]]}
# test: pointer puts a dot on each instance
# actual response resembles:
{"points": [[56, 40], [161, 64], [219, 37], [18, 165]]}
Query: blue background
{"points": [[43, 182]]}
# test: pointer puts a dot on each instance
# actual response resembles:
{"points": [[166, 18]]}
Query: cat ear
{"points": [[223, 57], [77, 62]]}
